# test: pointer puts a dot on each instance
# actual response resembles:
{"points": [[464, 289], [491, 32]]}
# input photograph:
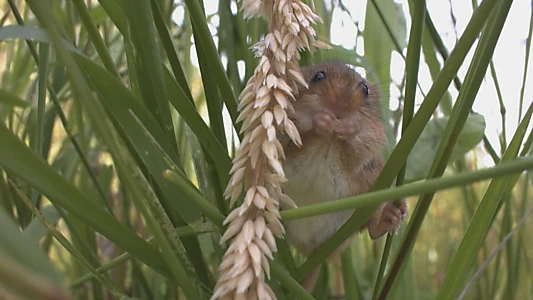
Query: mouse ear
{"points": [[319, 76]]}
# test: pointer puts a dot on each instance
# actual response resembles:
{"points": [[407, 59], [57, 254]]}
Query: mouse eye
{"points": [[364, 88], [318, 76]]}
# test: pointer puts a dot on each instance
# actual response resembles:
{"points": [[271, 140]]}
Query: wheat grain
{"points": [[257, 166]]}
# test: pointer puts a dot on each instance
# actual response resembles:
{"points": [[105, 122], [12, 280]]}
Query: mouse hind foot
{"points": [[388, 219]]}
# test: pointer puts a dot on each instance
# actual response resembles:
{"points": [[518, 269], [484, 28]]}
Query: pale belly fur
{"points": [[314, 176]]}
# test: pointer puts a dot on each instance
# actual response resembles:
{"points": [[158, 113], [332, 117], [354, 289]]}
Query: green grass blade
{"points": [[25, 268], [284, 278], [194, 196], [147, 56], [425, 150], [201, 130], [229, 42], [460, 113], [351, 283], [120, 102], [22, 250], [404, 146], [112, 8], [44, 56], [170, 50], [26, 283], [143, 207], [206, 173], [180, 231], [526, 65], [29, 33], [36, 230], [120, 105], [212, 98], [412, 63], [483, 217], [94, 36], [155, 217], [12, 100], [432, 185], [104, 279], [443, 51], [219, 75], [500, 246], [19, 159], [434, 66], [379, 52]]}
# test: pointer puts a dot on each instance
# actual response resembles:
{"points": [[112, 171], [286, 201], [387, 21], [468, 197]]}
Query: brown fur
{"points": [[336, 161]]}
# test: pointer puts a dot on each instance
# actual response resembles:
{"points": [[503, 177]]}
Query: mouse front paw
{"points": [[347, 128], [324, 122]]}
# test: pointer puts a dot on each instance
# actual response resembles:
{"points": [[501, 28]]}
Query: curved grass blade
{"points": [[176, 267], [120, 101], [52, 90]]}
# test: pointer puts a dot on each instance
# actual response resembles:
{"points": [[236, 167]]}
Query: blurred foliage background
{"points": [[117, 128]]}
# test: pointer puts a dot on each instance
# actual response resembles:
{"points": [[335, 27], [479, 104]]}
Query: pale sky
{"points": [[508, 57]]}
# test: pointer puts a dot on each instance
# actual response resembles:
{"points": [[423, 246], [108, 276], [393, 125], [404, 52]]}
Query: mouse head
{"points": [[338, 88]]}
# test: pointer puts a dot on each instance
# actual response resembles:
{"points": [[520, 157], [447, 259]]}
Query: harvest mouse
{"points": [[343, 136]]}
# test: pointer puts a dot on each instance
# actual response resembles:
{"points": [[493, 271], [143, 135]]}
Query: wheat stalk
{"points": [[257, 166]]}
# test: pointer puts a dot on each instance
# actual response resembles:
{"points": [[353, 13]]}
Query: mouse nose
{"points": [[346, 101]]}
